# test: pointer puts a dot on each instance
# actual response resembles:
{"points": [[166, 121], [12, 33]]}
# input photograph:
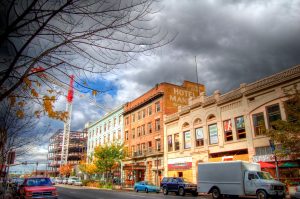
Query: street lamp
{"points": [[273, 147]]}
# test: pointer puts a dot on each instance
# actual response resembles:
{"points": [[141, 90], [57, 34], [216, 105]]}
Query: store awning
{"points": [[264, 165], [289, 165]]}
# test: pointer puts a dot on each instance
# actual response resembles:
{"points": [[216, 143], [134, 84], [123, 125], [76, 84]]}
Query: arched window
{"points": [[185, 125], [197, 121]]}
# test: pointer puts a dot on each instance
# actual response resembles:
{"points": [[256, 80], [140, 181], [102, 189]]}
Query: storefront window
{"points": [[227, 125], [170, 143], [176, 141], [199, 137], [213, 134], [187, 139], [240, 127], [259, 124]]}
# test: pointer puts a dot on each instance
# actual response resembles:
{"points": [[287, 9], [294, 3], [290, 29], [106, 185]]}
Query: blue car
{"points": [[146, 186]]}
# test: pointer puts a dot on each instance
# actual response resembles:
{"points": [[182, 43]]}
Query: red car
{"points": [[38, 188]]}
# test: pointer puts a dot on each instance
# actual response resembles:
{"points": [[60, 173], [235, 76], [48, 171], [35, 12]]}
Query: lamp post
{"points": [[272, 145]]}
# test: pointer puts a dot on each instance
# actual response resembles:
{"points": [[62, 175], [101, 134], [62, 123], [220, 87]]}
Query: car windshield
{"points": [[38, 182], [149, 183], [264, 176]]}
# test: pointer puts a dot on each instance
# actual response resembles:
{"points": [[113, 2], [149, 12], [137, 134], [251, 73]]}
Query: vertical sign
{"points": [[187, 140], [213, 134]]}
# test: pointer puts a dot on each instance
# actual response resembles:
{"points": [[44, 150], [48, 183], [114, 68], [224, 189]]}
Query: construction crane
{"points": [[67, 122]]}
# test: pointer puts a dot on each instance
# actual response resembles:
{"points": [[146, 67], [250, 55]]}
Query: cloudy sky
{"points": [[234, 42]]}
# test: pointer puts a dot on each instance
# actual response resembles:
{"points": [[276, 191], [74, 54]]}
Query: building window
{"points": [[100, 129], [139, 115], [149, 146], [120, 119], [115, 121], [133, 117], [259, 124], [119, 134], [143, 147], [240, 127], [273, 113], [108, 125], [158, 144], [144, 113], [176, 142], [143, 129], [199, 137], [170, 143], [133, 133], [187, 140], [213, 134], [157, 106], [126, 121], [157, 124], [139, 131], [132, 150], [150, 110], [227, 125], [126, 135], [266, 150], [149, 127]]}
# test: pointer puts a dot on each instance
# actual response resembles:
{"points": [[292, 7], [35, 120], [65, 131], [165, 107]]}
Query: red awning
{"points": [[266, 165]]}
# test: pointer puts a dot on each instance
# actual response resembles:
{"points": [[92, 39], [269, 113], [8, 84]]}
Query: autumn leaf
{"points": [[34, 93], [27, 82], [20, 114], [12, 100], [94, 92]]}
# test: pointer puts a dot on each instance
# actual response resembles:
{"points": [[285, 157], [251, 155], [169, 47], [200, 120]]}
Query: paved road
{"points": [[73, 192]]}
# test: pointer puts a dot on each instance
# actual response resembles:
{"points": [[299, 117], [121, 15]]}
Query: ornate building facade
{"points": [[227, 127]]}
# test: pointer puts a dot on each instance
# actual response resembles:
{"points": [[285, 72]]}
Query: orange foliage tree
{"points": [[88, 168], [65, 170]]}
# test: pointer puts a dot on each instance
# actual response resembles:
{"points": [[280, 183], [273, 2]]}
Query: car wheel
{"points": [[165, 191], [146, 190], [181, 191], [261, 194], [195, 193], [216, 193]]}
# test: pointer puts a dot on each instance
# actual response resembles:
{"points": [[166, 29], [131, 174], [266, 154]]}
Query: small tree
{"points": [[107, 157], [88, 168], [287, 133], [65, 170]]}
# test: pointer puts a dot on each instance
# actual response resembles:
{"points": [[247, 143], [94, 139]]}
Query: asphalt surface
{"points": [[74, 192]]}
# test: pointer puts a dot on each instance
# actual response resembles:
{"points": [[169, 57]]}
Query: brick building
{"points": [[143, 129]]}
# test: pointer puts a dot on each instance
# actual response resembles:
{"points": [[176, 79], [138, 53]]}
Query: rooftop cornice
{"points": [[273, 80], [143, 103]]}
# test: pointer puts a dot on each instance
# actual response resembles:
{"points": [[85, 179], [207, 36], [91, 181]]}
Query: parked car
{"points": [[296, 195], [58, 180], [71, 180], [65, 180], [77, 182], [145, 186], [178, 185], [38, 188]]}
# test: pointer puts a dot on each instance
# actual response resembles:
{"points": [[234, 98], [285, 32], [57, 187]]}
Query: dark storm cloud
{"points": [[235, 42]]}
